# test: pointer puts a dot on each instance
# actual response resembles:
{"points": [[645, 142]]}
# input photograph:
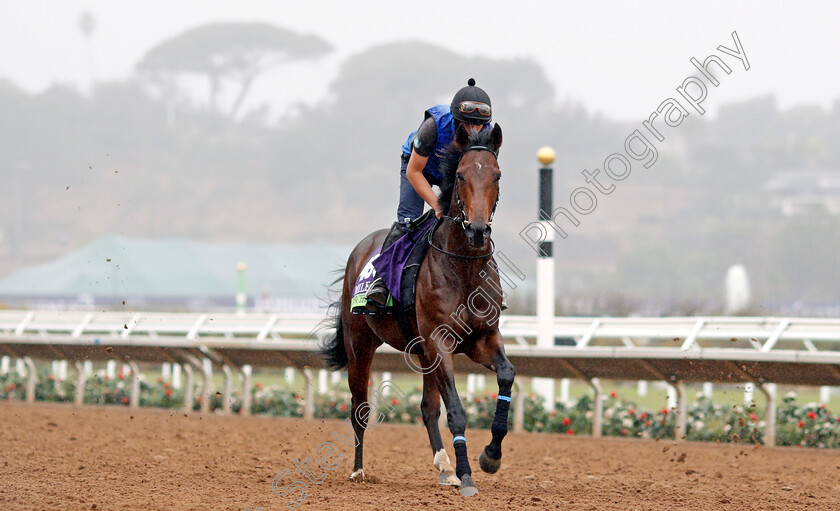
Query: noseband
{"points": [[461, 219]]}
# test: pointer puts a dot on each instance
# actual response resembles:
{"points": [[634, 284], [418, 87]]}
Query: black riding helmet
{"points": [[471, 105]]}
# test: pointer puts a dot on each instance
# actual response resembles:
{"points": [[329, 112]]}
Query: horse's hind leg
{"points": [[358, 374], [430, 406]]}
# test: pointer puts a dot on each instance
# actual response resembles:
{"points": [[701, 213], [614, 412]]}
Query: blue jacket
{"points": [[445, 124]]}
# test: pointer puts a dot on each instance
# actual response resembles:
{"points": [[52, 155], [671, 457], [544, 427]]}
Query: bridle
{"points": [[461, 218]]}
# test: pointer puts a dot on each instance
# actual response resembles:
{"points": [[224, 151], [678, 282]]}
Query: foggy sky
{"points": [[618, 59]]}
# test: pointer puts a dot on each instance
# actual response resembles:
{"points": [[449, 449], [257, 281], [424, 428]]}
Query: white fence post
{"points": [[176, 376], [642, 388], [246, 390], [322, 381], [825, 394], [565, 386], [749, 390], [672, 397]]}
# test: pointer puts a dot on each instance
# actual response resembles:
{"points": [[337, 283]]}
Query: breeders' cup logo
{"points": [[368, 271]]}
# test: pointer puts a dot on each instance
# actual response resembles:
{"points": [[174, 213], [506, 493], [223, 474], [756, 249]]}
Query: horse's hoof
{"points": [[358, 476], [488, 464], [449, 478], [468, 488]]}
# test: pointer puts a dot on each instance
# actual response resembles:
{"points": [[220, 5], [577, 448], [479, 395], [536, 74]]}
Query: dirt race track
{"points": [[60, 457]]}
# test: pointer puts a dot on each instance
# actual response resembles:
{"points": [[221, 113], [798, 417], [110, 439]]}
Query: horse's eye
{"points": [[497, 178], [460, 177]]}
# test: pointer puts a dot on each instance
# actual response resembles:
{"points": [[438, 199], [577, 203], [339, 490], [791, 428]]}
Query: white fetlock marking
{"points": [[443, 464], [358, 475]]}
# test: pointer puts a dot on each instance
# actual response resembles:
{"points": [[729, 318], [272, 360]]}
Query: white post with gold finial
{"points": [[545, 273]]}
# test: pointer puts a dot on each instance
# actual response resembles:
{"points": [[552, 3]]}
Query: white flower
{"points": [[627, 423]]}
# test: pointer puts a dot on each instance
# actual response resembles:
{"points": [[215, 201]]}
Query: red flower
{"points": [[800, 425], [332, 403], [812, 415], [570, 432], [120, 376], [168, 393], [647, 423], [567, 421], [623, 432], [754, 417], [494, 396], [395, 401], [643, 416], [631, 411], [51, 377], [822, 406], [125, 400], [613, 394], [259, 385], [343, 407], [664, 411], [477, 400], [12, 387], [166, 385]]}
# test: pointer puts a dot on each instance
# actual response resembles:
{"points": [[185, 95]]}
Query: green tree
{"points": [[226, 52]]}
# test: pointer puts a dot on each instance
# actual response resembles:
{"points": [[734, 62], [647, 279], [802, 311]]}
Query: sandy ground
{"points": [[61, 457]]}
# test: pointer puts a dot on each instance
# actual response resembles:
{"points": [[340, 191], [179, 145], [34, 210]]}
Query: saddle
{"points": [[398, 265]]}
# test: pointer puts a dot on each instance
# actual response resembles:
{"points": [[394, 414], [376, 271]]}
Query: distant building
{"points": [[806, 192], [118, 272]]}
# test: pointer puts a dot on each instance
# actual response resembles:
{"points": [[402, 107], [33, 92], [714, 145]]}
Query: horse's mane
{"points": [[450, 166]]}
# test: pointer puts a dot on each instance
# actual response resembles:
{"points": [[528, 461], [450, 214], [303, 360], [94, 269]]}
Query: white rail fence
{"points": [[762, 351]]}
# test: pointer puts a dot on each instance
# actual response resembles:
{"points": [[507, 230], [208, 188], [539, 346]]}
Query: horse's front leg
{"points": [[430, 406], [457, 419], [490, 352], [491, 459]]}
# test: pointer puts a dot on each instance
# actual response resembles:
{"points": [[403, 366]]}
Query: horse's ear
{"points": [[496, 137], [461, 136]]}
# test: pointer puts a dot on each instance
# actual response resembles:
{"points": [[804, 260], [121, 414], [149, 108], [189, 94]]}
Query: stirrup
{"points": [[376, 295]]}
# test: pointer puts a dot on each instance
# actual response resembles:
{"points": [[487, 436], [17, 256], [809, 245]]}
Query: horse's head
{"points": [[474, 182]]}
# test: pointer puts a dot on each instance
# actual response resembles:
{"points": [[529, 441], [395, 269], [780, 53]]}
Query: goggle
{"points": [[468, 107]]}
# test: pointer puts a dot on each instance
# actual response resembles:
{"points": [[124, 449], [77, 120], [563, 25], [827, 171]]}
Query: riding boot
{"points": [[377, 293]]}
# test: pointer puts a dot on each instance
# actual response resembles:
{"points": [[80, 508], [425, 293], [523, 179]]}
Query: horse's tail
{"points": [[332, 348]]}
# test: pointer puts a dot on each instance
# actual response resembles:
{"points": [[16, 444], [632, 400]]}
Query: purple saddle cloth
{"points": [[392, 261]]}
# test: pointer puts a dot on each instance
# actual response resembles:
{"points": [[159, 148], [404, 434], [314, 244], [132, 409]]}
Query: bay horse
{"points": [[447, 317]]}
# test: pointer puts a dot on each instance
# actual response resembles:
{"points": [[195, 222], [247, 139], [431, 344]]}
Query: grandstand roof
{"points": [[118, 266]]}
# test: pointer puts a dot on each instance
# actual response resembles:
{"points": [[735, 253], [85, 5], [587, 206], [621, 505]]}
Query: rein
{"points": [[453, 254]]}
